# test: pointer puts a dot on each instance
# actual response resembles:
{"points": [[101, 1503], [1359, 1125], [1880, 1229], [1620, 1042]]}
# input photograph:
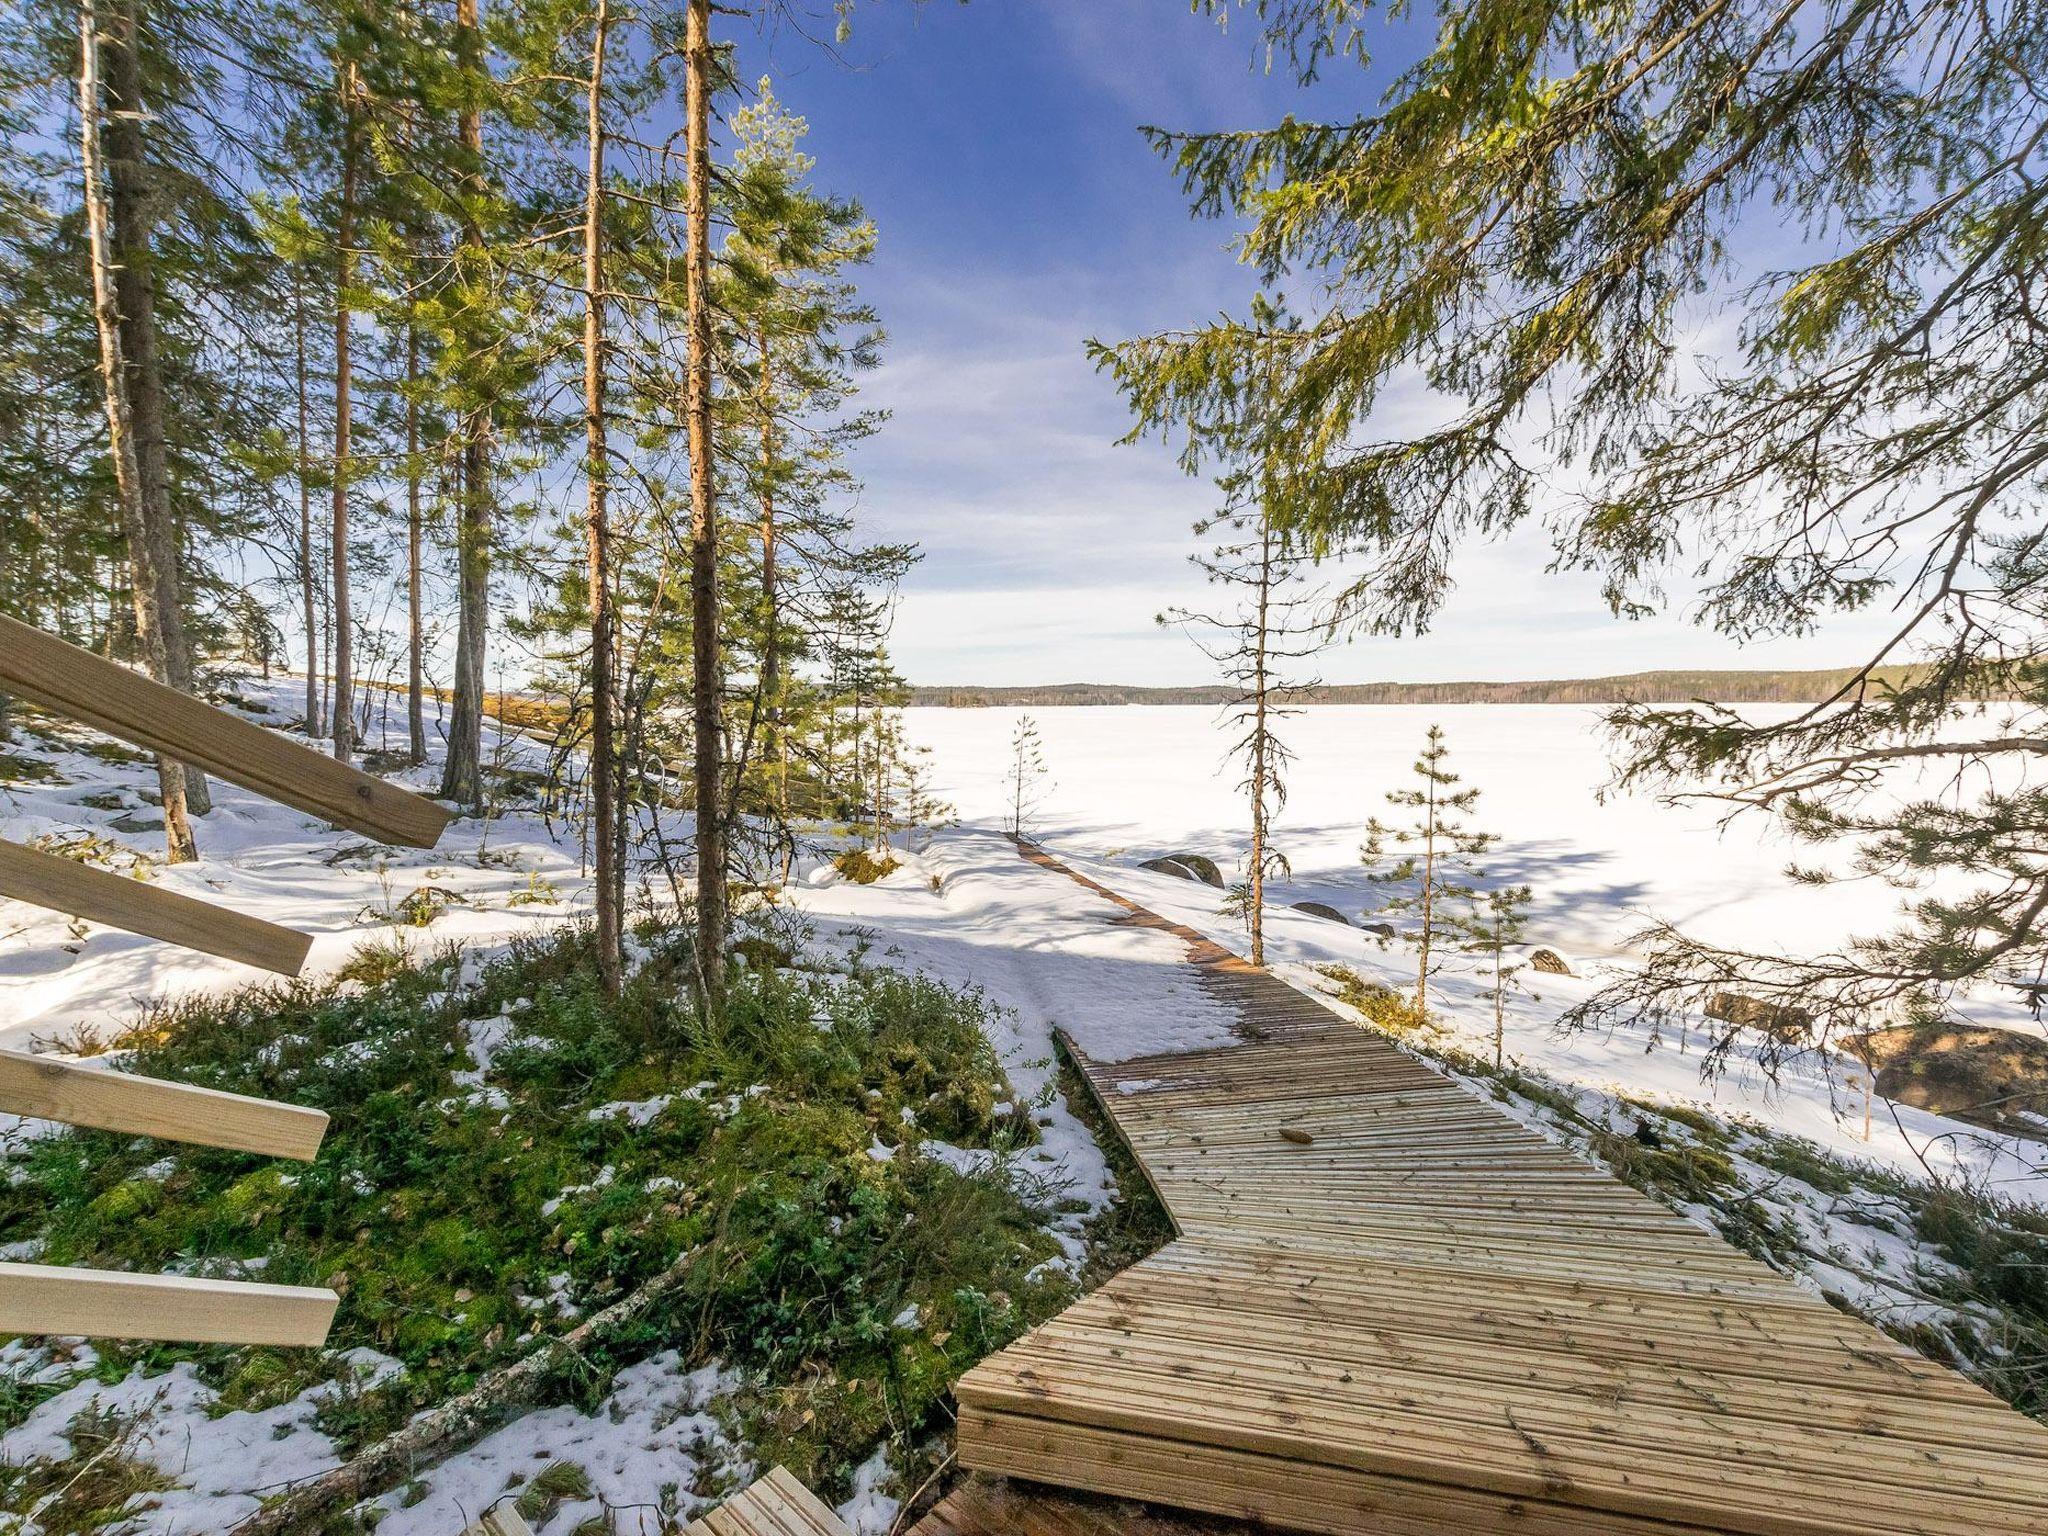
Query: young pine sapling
{"points": [[1028, 776], [1433, 854], [1494, 930]]}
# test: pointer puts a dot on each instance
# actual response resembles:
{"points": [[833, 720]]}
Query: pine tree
{"points": [[606, 834], [1521, 224], [1431, 856], [1494, 928], [155, 587], [1027, 776]]}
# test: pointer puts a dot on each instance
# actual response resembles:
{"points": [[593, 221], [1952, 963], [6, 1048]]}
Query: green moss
{"points": [[444, 1215], [864, 866]]}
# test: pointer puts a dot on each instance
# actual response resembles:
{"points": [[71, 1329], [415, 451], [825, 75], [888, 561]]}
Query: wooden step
{"points": [[776, 1505], [1413, 1315]]}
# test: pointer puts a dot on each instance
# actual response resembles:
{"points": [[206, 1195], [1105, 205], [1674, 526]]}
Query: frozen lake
{"points": [[1130, 782]]}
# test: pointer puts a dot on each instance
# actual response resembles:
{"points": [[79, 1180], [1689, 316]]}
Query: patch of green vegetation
{"points": [[849, 1290], [1384, 1008], [97, 1485], [864, 866], [1135, 1225], [112, 753], [20, 768]]}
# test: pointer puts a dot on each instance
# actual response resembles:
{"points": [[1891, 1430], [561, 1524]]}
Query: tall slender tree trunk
{"points": [[771, 597], [344, 276], [604, 800], [415, 618], [462, 775], [706, 681], [1428, 903], [307, 598], [115, 378], [133, 224]]}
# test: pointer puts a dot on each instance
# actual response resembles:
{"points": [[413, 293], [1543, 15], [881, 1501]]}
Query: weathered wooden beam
{"points": [[96, 692], [100, 1304], [80, 890], [45, 1089]]}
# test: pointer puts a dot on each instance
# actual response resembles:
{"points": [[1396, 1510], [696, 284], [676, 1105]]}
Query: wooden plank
{"points": [[775, 1505], [41, 1088], [1412, 1315], [99, 1304], [979, 1507], [502, 1521], [134, 906], [111, 698]]}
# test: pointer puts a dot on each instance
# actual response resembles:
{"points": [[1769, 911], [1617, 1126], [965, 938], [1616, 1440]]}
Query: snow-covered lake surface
{"points": [[1142, 780]]}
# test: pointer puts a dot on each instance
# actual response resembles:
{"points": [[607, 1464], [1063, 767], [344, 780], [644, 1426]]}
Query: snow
{"points": [[221, 1463], [657, 1428], [1136, 782], [268, 861], [871, 1512], [964, 909]]}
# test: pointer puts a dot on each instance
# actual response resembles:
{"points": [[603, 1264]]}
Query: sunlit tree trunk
{"points": [[462, 776], [144, 550], [132, 223], [415, 617], [706, 679], [604, 800], [344, 275], [308, 601]]}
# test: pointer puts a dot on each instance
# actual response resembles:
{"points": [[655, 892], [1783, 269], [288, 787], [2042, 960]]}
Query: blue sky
{"points": [[996, 146]]}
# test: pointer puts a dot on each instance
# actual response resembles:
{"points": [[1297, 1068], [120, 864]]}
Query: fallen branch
{"points": [[455, 1422]]}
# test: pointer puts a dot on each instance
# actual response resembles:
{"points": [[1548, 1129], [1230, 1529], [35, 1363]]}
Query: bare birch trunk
{"points": [[143, 551]]}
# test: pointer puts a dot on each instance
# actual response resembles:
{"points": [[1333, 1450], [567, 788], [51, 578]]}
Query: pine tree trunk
{"points": [[1428, 904], [344, 275], [771, 605], [116, 380], [307, 599], [1255, 885], [133, 224], [462, 775], [706, 680], [415, 636], [596, 474]]}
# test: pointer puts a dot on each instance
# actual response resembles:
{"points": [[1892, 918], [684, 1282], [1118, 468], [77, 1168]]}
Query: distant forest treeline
{"points": [[1728, 687]]}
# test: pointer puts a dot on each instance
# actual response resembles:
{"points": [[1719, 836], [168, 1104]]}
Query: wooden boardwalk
{"points": [[1391, 1309], [776, 1505]]}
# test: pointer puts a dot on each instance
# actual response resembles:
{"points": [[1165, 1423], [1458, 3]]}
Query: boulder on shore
{"points": [[1990, 1077], [1172, 867], [1549, 961], [1323, 910], [1379, 930], [1778, 1019], [1204, 867]]}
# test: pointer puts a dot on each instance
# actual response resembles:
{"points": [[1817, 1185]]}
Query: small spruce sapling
{"points": [[1434, 854], [1028, 776], [1494, 930]]}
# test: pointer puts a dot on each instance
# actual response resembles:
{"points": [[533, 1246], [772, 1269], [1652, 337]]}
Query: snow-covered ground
{"points": [[966, 910], [508, 876], [1129, 783]]}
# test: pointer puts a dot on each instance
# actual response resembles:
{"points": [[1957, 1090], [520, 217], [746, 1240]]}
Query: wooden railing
{"points": [[50, 1299]]}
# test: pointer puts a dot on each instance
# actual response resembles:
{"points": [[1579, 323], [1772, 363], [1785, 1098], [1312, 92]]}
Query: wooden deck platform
{"points": [[1392, 1309]]}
